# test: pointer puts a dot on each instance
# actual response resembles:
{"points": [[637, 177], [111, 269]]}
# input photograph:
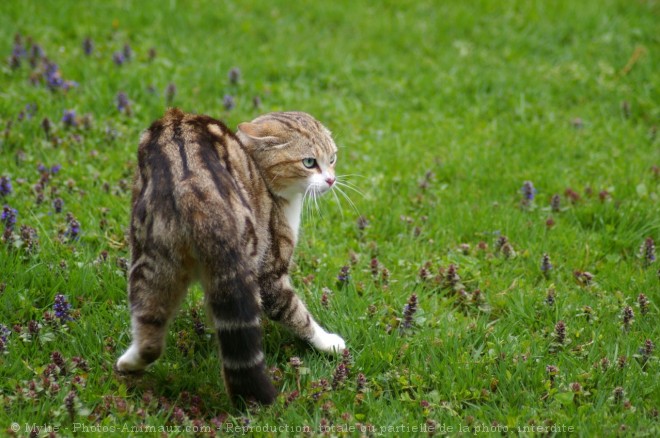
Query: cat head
{"points": [[293, 150]]}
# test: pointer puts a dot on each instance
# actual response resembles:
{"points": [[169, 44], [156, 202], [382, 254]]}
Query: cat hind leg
{"points": [[155, 293]]}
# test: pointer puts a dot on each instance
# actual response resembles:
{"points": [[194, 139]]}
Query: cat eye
{"points": [[309, 162], [333, 159]]}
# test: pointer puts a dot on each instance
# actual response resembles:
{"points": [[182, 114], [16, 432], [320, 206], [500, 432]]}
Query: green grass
{"points": [[481, 95]]}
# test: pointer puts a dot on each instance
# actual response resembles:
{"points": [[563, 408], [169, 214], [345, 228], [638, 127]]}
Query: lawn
{"points": [[493, 271]]}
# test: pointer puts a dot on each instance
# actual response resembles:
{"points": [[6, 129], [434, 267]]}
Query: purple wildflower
{"points": [[14, 61], [425, 273], [36, 54], [585, 278], [347, 359], [604, 364], [628, 316], [291, 397], [647, 349], [572, 195], [58, 360], [4, 332], [546, 266], [73, 232], [228, 102], [80, 363], [34, 327], [385, 277], [550, 297], [127, 52], [256, 102], [55, 169], [88, 46], [69, 118], [5, 185], [29, 238], [234, 75], [621, 362], [45, 125], [528, 192], [452, 279], [123, 105], [500, 242], [19, 50], [340, 375], [555, 203], [618, 394], [344, 275], [118, 58], [647, 251], [53, 76], [552, 371], [643, 304], [560, 332], [31, 110], [375, 266], [58, 203], [170, 92], [295, 362], [54, 79], [122, 263], [409, 311], [69, 404], [17, 53], [9, 217], [62, 308], [361, 382]]}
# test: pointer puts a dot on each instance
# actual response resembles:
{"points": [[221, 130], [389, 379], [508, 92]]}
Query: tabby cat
{"points": [[224, 209]]}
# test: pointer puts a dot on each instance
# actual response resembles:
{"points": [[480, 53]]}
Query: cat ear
{"points": [[260, 135]]}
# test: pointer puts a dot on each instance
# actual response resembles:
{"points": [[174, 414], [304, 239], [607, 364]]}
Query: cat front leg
{"points": [[281, 304]]}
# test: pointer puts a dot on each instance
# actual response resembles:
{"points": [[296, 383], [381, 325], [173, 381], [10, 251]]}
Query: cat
{"points": [[224, 209]]}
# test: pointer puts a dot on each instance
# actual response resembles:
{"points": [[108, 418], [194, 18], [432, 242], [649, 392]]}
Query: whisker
{"points": [[350, 174], [316, 203], [306, 204], [309, 198], [341, 210], [341, 192], [350, 187]]}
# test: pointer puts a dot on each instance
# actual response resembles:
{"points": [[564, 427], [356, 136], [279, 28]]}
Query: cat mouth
{"points": [[320, 189]]}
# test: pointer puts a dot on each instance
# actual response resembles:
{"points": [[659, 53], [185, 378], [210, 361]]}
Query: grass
{"points": [[442, 111]]}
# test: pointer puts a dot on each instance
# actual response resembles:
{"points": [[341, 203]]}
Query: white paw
{"points": [[130, 361], [329, 343]]}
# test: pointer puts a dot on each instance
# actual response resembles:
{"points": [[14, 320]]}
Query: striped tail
{"points": [[236, 309]]}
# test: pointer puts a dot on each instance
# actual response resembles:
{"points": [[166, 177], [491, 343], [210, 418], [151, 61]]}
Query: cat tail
{"points": [[236, 314], [234, 300]]}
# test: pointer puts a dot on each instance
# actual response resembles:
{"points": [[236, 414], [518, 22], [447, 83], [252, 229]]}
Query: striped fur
{"points": [[219, 207]]}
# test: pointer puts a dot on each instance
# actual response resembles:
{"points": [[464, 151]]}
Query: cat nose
{"points": [[330, 180]]}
